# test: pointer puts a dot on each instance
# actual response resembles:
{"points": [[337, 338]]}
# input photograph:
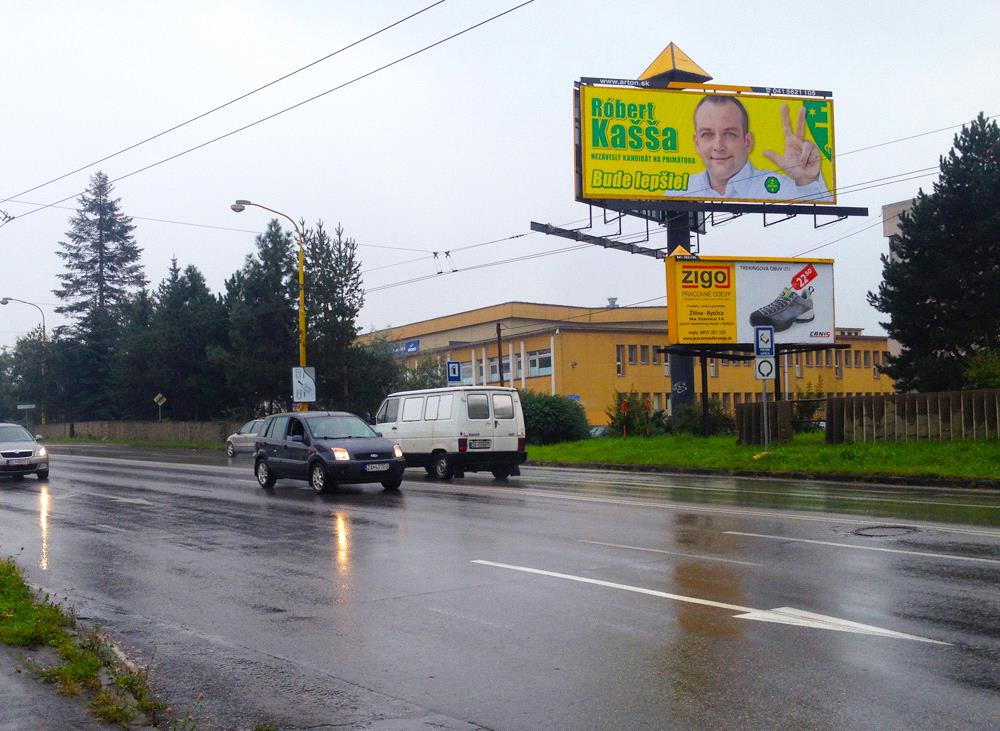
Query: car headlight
{"points": [[340, 454], [397, 450], [41, 452]]}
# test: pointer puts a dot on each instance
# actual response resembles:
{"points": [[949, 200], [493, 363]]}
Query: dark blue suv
{"points": [[325, 447]]}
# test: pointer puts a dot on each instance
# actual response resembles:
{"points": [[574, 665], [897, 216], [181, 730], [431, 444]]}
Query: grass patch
{"points": [[32, 621], [807, 454]]}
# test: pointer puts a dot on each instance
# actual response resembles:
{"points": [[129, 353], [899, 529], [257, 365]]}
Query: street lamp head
{"points": [[4, 301], [238, 207]]}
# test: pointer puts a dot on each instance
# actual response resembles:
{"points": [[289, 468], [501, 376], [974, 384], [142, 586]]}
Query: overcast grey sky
{"points": [[463, 144]]}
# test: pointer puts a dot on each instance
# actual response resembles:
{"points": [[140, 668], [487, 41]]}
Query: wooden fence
{"points": [[750, 422], [189, 431], [913, 417]]}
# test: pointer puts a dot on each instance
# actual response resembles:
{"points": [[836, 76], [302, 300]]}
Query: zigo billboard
{"points": [[651, 144], [717, 300]]}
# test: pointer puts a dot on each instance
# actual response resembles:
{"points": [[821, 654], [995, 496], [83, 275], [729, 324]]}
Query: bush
{"points": [[637, 419], [688, 419], [549, 419]]}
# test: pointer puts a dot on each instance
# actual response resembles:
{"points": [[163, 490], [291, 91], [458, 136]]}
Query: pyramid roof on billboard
{"points": [[675, 65]]}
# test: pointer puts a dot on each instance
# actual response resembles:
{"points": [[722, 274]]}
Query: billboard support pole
{"points": [[777, 374], [681, 367], [703, 361]]}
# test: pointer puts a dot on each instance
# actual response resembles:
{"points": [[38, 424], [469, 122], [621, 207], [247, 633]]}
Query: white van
{"points": [[451, 431]]}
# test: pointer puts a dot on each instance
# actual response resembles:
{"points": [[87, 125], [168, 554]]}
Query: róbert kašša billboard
{"points": [[655, 144]]}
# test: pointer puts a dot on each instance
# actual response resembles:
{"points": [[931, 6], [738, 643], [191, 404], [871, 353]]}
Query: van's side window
{"points": [[479, 407], [412, 408], [431, 409], [503, 406], [389, 411], [444, 411]]}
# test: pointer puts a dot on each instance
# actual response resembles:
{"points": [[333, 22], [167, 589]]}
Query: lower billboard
{"points": [[719, 300]]}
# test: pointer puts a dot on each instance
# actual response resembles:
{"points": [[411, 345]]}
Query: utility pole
{"points": [[500, 357]]}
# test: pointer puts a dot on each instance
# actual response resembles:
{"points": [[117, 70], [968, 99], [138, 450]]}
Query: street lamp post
{"points": [[239, 206], [8, 300]]}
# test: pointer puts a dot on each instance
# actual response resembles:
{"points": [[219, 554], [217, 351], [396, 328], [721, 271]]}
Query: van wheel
{"points": [[317, 478], [393, 484], [442, 467], [501, 474]]}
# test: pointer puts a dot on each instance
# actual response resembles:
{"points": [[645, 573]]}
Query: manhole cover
{"points": [[884, 531]]}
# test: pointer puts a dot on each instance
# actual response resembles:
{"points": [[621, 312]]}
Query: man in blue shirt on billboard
{"points": [[723, 140]]}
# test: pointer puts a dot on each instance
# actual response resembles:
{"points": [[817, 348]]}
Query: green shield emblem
{"points": [[771, 184], [818, 122]]}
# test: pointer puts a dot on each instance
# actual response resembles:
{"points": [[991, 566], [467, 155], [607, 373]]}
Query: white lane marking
{"points": [[778, 493], [864, 548], [780, 615], [116, 498], [671, 553]]}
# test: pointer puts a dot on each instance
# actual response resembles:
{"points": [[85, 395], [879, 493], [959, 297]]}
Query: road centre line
{"points": [[669, 505], [864, 548], [836, 496], [779, 615], [671, 553]]}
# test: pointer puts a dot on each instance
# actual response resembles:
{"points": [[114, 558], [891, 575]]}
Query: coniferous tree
{"points": [[261, 300], [334, 298], [940, 283]]}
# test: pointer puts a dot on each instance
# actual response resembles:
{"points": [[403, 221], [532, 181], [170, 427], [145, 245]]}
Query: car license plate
{"points": [[18, 460], [479, 444], [377, 467]]}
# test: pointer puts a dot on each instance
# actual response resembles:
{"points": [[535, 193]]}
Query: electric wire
{"points": [[294, 106], [224, 105]]}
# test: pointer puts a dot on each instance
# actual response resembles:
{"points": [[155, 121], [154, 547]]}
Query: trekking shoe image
{"points": [[788, 309]]}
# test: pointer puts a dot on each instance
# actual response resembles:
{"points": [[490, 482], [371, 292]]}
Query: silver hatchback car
{"points": [[244, 437], [21, 454]]}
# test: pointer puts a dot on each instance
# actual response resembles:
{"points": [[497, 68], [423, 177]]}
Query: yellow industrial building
{"points": [[589, 353]]}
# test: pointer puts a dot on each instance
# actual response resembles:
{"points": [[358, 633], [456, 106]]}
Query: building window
{"points": [[713, 367], [656, 355], [737, 398], [826, 358], [467, 373], [725, 401], [632, 354], [657, 402], [847, 359], [619, 360], [809, 359], [540, 363], [868, 359], [644, 354], [857, 358]]}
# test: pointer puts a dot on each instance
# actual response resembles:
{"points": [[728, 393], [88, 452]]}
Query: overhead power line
{"points": [[296, 105], [224, 105]]}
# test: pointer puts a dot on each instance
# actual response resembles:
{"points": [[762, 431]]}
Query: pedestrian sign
{"points": [[454, 371]]}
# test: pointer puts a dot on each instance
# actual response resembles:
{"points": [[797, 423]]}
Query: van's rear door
{"points": [[505, 425], [480, 422]]}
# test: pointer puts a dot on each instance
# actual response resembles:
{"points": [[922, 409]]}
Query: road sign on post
{"points": [[159, 399], [304, 385], [763, 368], [454, 371], [763, 341]]}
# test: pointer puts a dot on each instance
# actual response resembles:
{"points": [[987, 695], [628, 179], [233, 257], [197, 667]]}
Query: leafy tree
{"points": [[944, 270], [427, 373], [984, 369], [101, 256], [806, 405], [334, 298], [263, 328], [549, 419], [374, 372]]}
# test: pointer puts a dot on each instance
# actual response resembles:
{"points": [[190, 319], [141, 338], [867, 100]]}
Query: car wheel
{"points": [[501, 474], [230, 450], [318, 479], [442, 467], [43, 474], [392, 484], [265, 478]]}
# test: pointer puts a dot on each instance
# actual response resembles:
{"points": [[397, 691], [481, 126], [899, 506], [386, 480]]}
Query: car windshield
{"points": [[15, 433], [339, 427]]}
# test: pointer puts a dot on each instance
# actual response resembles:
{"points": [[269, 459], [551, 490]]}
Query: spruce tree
{"points": [[941, 280], [101, 255]]}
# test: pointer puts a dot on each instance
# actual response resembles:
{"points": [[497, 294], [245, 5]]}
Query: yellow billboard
{"points": [[719, 300], [706, 144]]}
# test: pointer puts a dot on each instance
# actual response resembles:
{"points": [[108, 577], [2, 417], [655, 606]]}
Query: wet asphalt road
{"points": [[563, 599]]}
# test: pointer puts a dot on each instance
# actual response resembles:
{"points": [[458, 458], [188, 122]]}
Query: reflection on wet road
{"points": [[561, 599]]}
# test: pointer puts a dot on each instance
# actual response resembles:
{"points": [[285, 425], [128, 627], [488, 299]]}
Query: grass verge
{"points": [[85, 661], [807, 454]]}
